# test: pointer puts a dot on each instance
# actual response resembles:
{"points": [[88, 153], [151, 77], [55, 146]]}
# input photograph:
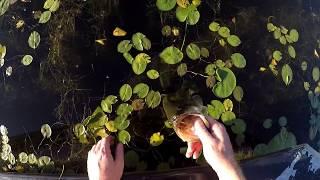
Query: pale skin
{"points": [[214, 141]]}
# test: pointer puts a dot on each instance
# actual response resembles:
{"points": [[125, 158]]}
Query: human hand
{"points": [[217, 149], [101, 164]]}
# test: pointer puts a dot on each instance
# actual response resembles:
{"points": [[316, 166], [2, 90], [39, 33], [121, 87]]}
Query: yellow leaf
{"points": [[100, 41], [110, 126], [156, 139], [19, 24], [274, 62], [101, 132], [175, 31], [119, 32], [262, 69], [183, 3]]}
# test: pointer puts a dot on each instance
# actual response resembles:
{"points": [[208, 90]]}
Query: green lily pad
{"points": [[27, 60], [291, 51], [193, 16], [146, 43], [260, 149], [284, 30], [315, 74], [238, 93], [48, 4], [55, 6], [204, 52], [166, 31], [34, 40], [4, 5], [294, 35], [282, 121], [267, 123], [124, 109], [227, 83], [79, 130], [137, 41], [271, 27], [141, 90], [32, 159], [228, 105], [124, 136], [282, 140], [288, 38], [153, 99], [193, 51], [238, 60], [234, 40], [166, 5], [125, 92], [171, 55], [182, 14], [44, 161], [210, 69], [153, 74], [121, 122], [238, 126], [214, 26], [107, 103], [45, 17], [124, 46], [304, 65], [23, 157], [46, 131], [190, 14], [277, 33], [128, 57], [228, 117], [140, 62], [286, 74], [131, 159], [277, 55], [215, 109], [11, 159], [224, 32], [182, 69], [283, 40]]}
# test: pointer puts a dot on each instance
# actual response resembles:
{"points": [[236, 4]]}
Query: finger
{"points": [[202, 132], [218, 129], [197, 151], [98, 147], [106, 151], [119, 155], [93, 148], [189, 152]]}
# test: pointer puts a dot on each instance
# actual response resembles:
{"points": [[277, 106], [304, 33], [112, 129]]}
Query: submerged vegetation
{"points": [[191, 62]]}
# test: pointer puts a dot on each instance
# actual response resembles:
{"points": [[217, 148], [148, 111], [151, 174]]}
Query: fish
{"points": [[101, 41], [118, 32]]}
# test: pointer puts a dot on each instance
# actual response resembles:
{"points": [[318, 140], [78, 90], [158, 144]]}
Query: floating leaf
{"points": [[137, 104], [118, 32], [288, 38], [101, 132], [124, 46], [106, 104], [46, 131], [55, 6], [141, 90], [11, 159], [234, 40], [284, 30], [156, 139], [27, 60], [306, 86], [294, 35], [210, 69], [291, 51], [125, 92], [153, 74], [286, 74], [267, 123], [193, 16], [182, 14], [124, 109], [228, 117], [214, 26], [204, 52], [121, 123], [222, 42], [182, 69], [260, 149], [171, 55], [4, 5], [32, 159], [315, 74], [271, 27], [283, 40], [238, 126], [282, 140], [238, 60], [146, 43], [215, 109], [131, 159], [304, 65], [79, 130], [137, 41], [153, 99], [183, 3], [44, 161], [175, 31], [23, 157], [128, 57], [228, 105], [189, 14], [166, 31], [225, 87], [224, 32], [238, 93], [124, 136], [210, 81], [48, 4], [166, 5], [140, 62], [277, 33], [282, 121], [34, 40], [277, 55], [193, 51], [45, 17], [111, 127]]}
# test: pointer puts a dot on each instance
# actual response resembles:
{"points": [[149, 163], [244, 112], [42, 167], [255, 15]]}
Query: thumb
{"points": [[202, 132]]}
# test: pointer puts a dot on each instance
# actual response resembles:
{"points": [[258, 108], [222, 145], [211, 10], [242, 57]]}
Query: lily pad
{"points": [[125, 92], [141, 90], [190, 14], [277, 55], [166, 5], [137, 104], [224, 32], [100, 132], [128, 57], [4, 5], [140, 62], [156, 139], [23, 157], [55, 6], [228, 105], [166, 31], [107, 103], [227, 83], [210, 81], [282, 140], [306, 86], [193, 51], [111, 126], [32, 159], [238, 93], [153, 99], [182, 69], [240, 139], [204, 52], [215, 109], [294, 35], [47, 4], [124, 109], [238, 60], [214, 26], [271, 27], [46, 131], [124, 136], [171, 55], [291, 51], [137, 40], [210, 69], [277, 33], [146, 43], [286, 74], [131, 159], [283, 40], [234, 40], [193, 16], [315, 74], [79, 130], [238, 126], [222, 42], [45, 17], [267, 123], [153, 74], [44, 161], [124, 46], [27, 60], [34, 40], [121, 123], [228, 117]]}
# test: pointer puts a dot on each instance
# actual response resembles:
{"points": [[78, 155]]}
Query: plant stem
{"points": [[184, 36], [197, 74]]}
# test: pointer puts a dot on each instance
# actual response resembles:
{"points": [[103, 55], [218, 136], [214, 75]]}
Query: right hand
{"points": [[217, 149]]}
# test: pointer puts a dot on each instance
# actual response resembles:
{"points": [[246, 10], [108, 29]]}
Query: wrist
{"points": [[229, 170]]}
